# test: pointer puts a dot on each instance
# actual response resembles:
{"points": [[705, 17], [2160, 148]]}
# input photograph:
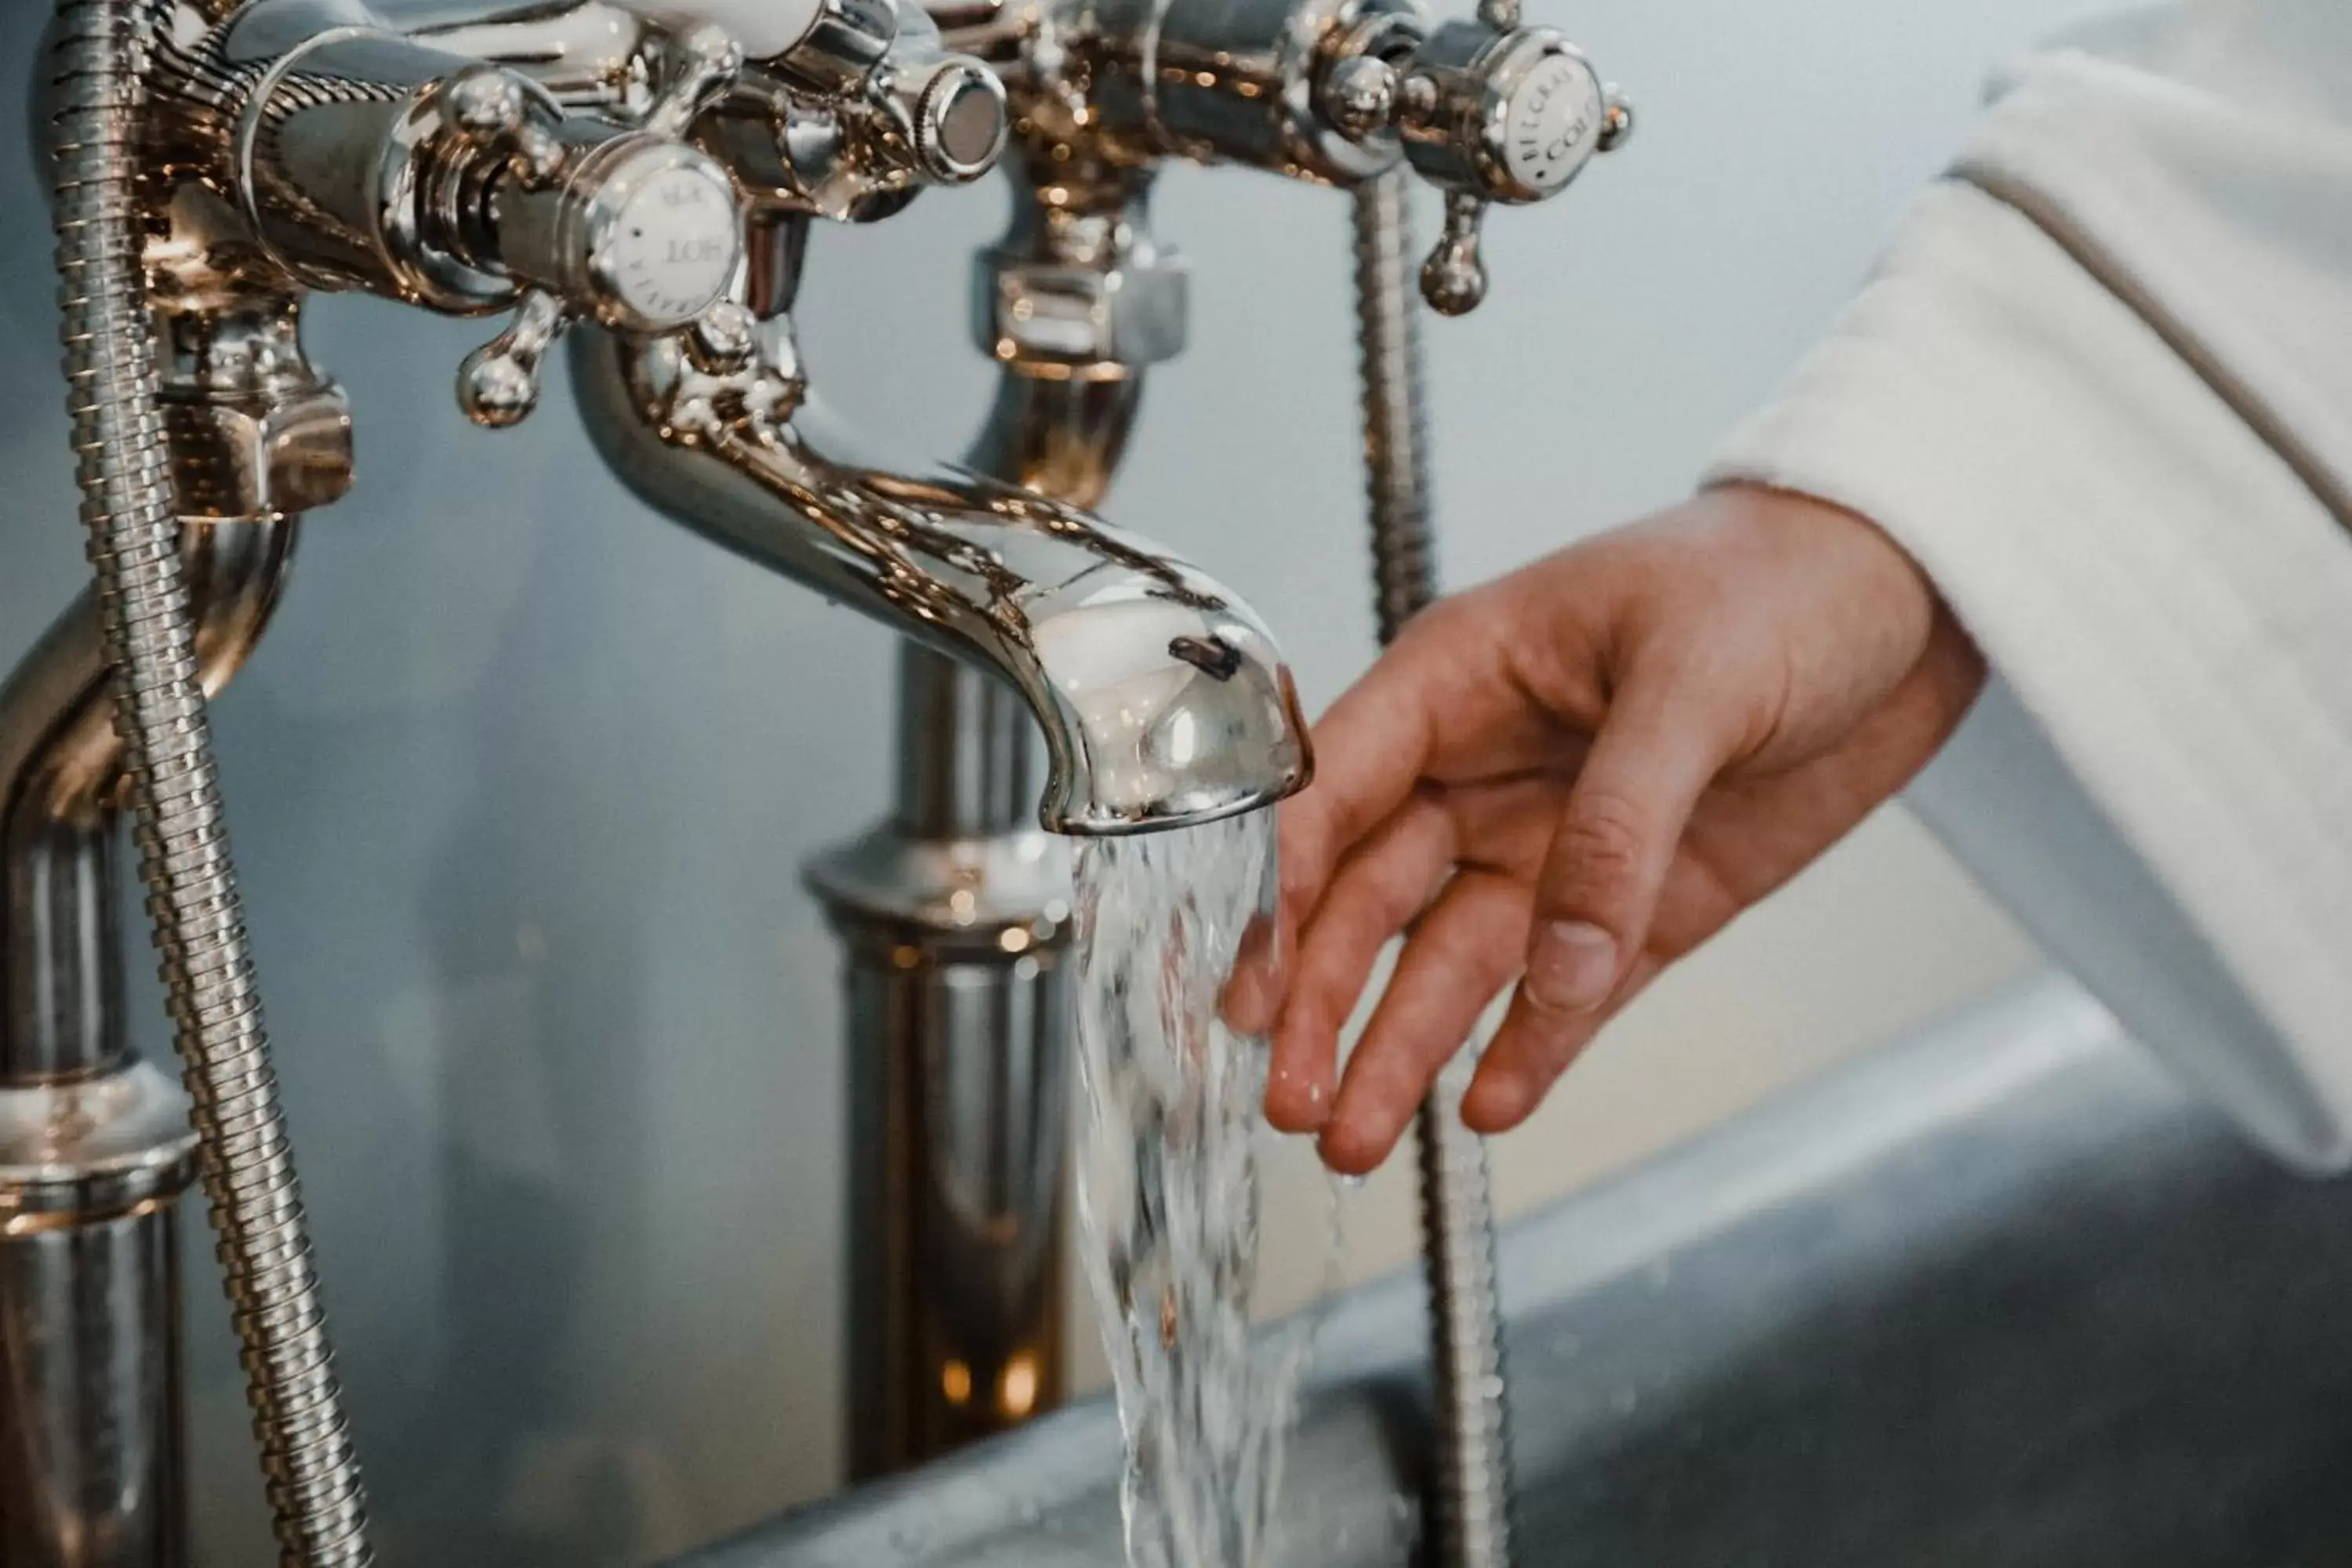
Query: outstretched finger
{"points": [[1437, 688], [1462, 954], [1378, 889]]}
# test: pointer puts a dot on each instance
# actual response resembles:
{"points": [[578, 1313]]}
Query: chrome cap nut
{"points": [[960, 121], [255, 455], [1082, 321]]}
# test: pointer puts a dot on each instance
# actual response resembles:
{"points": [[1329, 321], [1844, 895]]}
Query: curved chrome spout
{"points": [[1163, 698]]}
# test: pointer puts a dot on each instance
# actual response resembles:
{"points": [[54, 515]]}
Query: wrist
{"points": [[1872, 615]]}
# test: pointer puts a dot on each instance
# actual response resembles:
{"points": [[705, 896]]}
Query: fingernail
{"points": [[1572, 967]]}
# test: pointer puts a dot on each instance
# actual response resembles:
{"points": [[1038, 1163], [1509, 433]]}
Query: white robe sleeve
{"points": [[2101, 389]]}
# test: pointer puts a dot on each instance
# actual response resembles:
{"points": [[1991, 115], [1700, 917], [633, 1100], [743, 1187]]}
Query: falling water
{"points": [[1168, 1187]]}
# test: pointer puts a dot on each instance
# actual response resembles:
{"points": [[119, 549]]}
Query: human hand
{"points": [[1574, 776]]}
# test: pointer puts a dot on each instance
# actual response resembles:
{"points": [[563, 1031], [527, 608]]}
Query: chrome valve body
{"points": [[1486, 110]]}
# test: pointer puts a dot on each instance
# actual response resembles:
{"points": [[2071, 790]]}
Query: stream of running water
{"points": [[1168, 1187]]}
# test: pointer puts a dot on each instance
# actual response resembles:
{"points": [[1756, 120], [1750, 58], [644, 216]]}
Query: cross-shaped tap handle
{"points": [[638, 231], [1487, 110]]}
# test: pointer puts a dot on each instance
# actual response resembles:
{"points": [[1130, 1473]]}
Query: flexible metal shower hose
{"points": [[126, 501], [1473, 1490]]}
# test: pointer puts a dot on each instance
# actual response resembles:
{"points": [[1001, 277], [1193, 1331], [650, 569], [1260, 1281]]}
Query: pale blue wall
{"points": [[521, 778]]}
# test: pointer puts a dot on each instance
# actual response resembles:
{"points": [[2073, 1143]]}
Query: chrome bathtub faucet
{"points": [[640, 182]]}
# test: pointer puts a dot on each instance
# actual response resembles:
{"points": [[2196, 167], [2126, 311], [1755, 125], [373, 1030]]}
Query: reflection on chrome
{"points": [[1162, 698]]}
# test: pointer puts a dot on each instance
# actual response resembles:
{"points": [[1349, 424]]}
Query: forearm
{"points": [[2132, 504]]}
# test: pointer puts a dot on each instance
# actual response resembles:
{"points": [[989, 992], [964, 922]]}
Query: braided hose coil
{"points": [[313, 1478], [1472, 1494]]}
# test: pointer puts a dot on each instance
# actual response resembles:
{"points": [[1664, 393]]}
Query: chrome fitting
{"points": [[252, 457], [927, 900], [639, 232], [1082, 322], [351, 159], [845, 41], [957, 109], [1227, 81], [1082, 290], [851, 134], [253, 430], [1510, 117], [86, 1150]]}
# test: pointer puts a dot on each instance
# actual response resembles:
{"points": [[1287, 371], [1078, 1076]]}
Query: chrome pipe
{"points": [[142, 594], [958, 996], [1470, 1501], [92, 1438], [1162, 697], [60, 952], [1392, 401], [588, 54], [954, 916], [95, 1148], [966, 752], [61, 783], [1059, 435]]}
